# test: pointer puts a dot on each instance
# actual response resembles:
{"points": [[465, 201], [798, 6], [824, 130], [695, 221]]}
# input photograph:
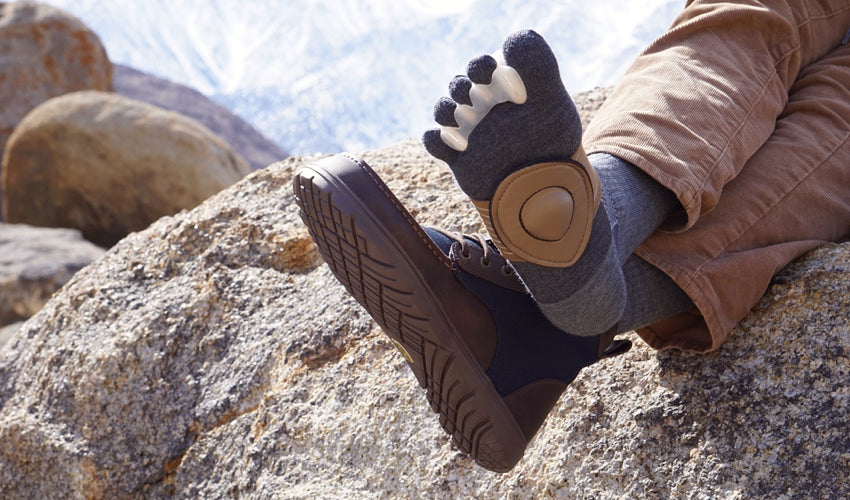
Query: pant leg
{"points": [[699, 101], [791, 196]]}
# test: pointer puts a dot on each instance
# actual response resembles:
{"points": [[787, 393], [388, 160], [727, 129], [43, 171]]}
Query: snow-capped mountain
{"points": [[333, 75]]}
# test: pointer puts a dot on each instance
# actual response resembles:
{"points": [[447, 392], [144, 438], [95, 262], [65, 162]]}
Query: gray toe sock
{"points": [[634, 206], [637, 204], [590, 296], [545, 127]]}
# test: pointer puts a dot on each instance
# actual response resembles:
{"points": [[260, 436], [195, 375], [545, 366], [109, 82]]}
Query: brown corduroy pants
{"points": [[742, 109]]}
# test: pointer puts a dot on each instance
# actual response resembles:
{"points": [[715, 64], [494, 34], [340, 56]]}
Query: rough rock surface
{"points": [[211, 355], [34, 263], [257, 150], [108, 165], [44, 53]]}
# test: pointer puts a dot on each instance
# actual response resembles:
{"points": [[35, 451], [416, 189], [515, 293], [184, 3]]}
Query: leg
{"points": [[698, 102], [790, 197], [743, 93], [653, 296], [518, 155]]}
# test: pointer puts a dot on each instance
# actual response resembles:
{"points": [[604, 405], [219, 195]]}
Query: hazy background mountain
{"points": [[332, 75]]}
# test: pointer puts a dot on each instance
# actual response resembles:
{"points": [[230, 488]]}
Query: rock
{"points": [[108, 165], [6, 332], [241, 136], [34, 263], [44, 53], [212, 355]]}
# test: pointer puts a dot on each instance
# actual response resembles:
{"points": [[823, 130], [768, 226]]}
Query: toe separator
{"points": [[509, 84], [453, 138], [506, 86]]}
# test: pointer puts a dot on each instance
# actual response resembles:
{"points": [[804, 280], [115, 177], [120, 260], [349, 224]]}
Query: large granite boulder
{"points": [[250, 144], [34, 263], [44, 53], [108, 165], [213, 355]]}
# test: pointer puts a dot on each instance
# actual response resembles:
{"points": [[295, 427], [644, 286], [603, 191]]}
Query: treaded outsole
{"points": [[363, 257]]}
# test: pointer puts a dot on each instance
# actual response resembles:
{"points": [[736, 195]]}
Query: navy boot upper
{"points": [[529, 347]]}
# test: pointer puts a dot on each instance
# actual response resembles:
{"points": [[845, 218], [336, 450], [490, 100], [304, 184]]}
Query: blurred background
{"points": [[333, 75]]}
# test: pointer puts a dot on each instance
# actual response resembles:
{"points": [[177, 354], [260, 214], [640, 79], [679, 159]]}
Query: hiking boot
{"points": [[491, 364]]}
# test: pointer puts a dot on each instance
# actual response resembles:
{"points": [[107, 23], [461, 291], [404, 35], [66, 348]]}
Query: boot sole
{"points": [[390, 266]]}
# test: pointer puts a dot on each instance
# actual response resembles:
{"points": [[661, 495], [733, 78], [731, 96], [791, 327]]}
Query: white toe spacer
{"points": [[506, 85]]}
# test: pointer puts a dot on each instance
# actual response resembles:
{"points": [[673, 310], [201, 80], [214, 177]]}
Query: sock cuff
{"points": [[636, 203]]}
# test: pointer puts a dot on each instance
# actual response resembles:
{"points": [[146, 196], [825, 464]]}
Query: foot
{"points": [[492, 366], [512, 137]]}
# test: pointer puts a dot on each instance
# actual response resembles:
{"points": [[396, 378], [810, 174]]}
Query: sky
{"points": [[329, 75]]}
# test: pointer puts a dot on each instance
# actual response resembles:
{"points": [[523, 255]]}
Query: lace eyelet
{"points": [[507, 270], [484, 263], [465, 255]]}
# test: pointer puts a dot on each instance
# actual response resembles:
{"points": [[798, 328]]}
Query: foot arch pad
{"points": [[543, 213]]}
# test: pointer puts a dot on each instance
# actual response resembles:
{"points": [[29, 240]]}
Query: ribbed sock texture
{"points": [[652, 295], [636, 203]]}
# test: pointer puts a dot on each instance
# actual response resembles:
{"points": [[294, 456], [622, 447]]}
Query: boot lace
{"points": [[486, 245]]}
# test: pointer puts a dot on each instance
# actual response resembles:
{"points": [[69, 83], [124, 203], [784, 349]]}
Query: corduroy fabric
{"points": [[742, 109]]}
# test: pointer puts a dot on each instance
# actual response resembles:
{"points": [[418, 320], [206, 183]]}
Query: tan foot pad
{"points": [[543, 213]]}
